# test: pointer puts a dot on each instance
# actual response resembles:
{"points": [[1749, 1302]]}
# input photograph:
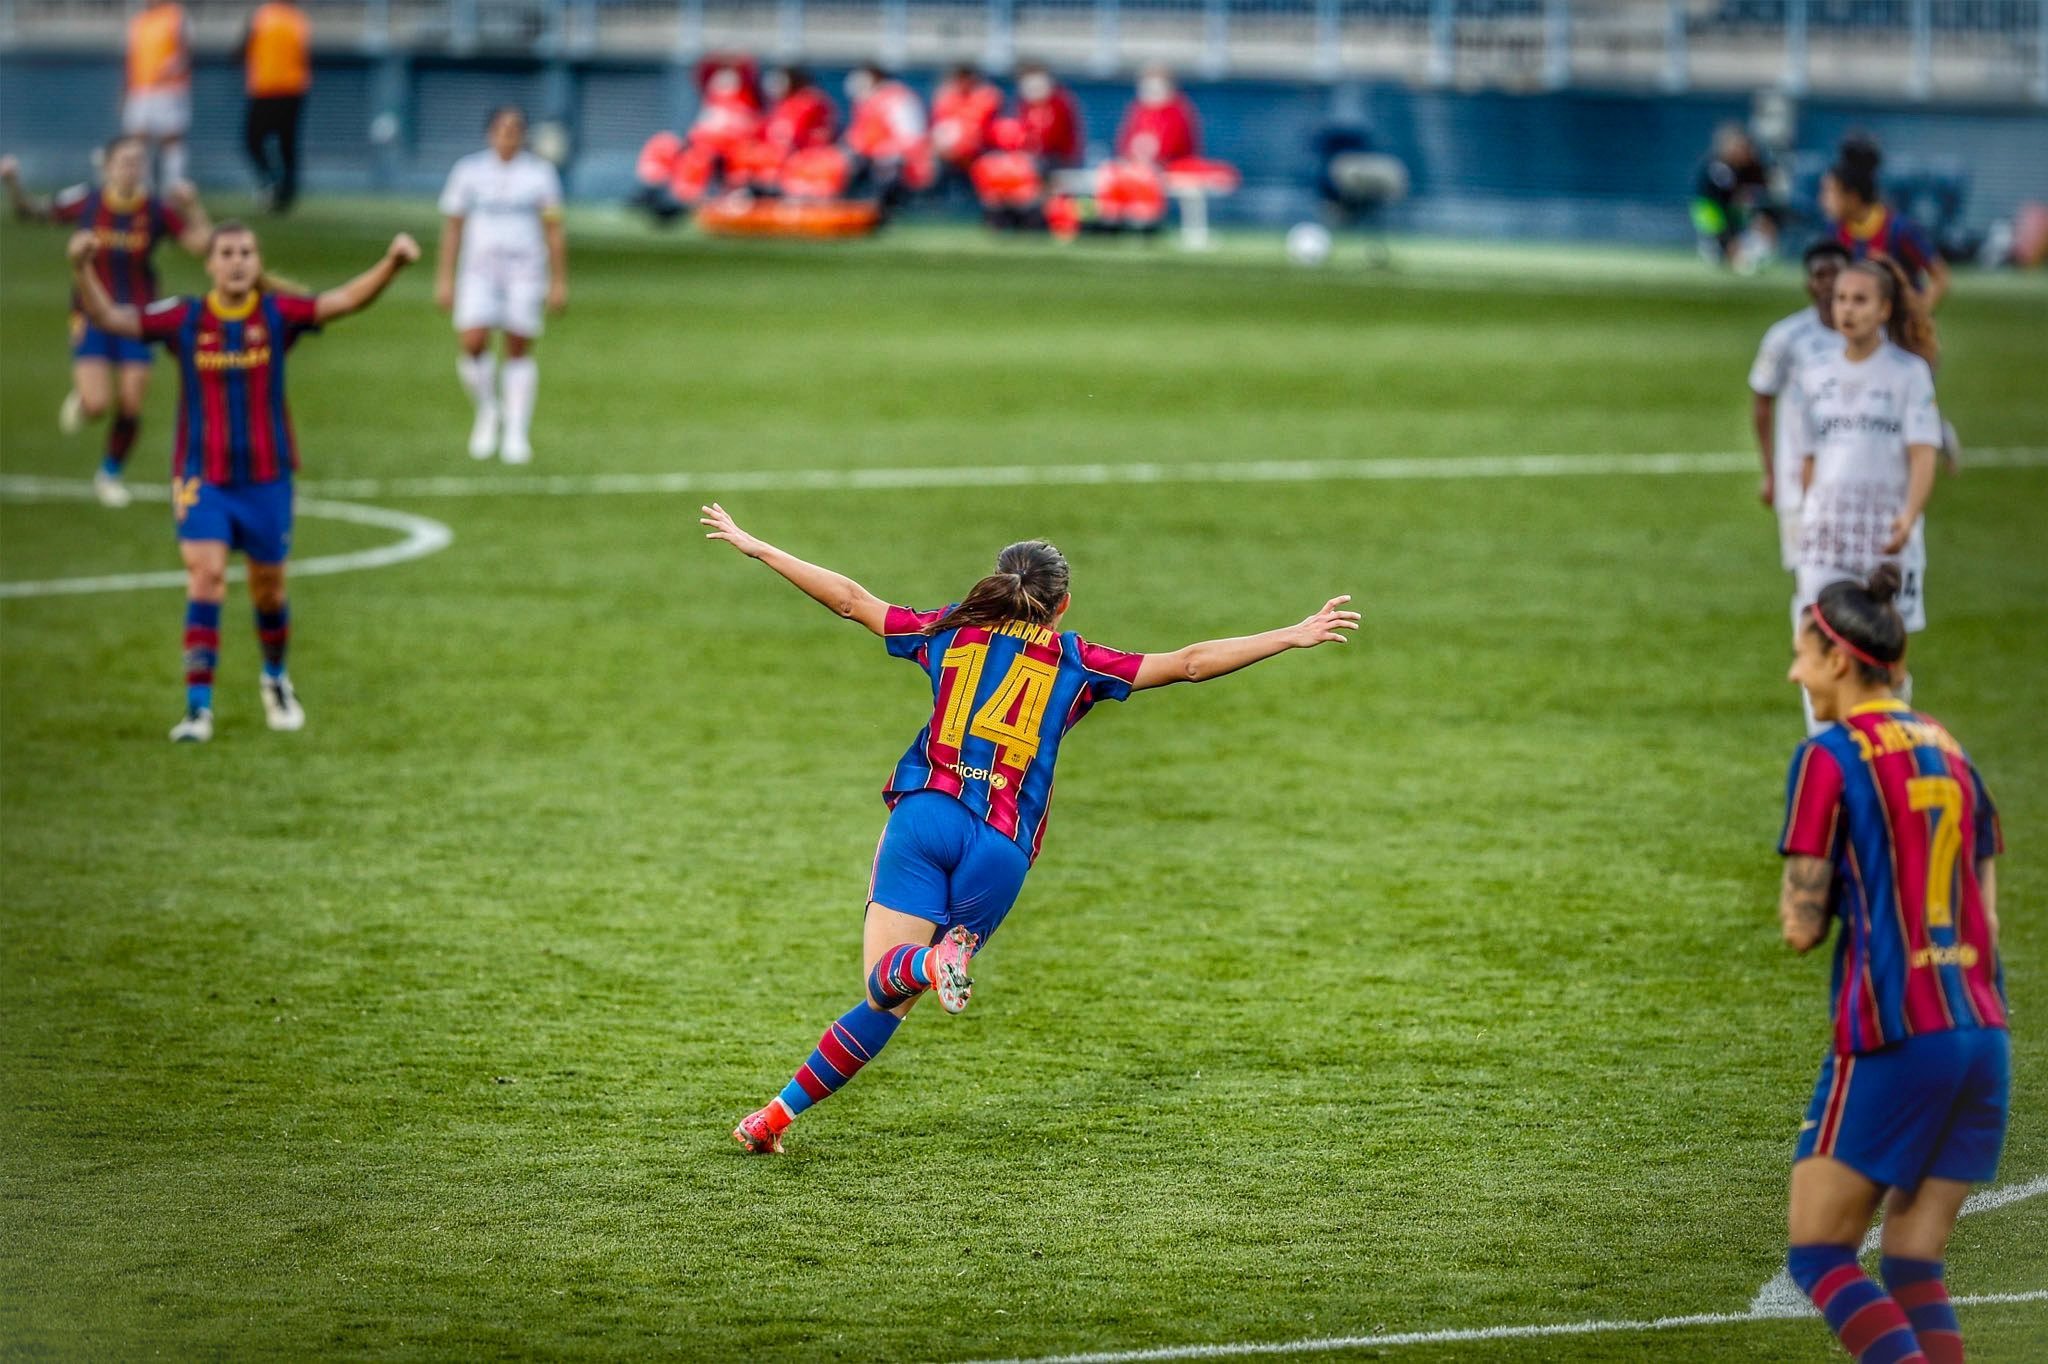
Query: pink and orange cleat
{"points": [[758, 1134], [949, 963]]}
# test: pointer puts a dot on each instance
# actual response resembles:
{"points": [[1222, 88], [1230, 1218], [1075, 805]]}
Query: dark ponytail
{"points": [[1860, 618], [1029, 585], [1855, 168], [1910, 327]]}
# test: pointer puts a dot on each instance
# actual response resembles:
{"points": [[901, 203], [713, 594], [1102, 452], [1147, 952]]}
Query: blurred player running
{"points": [[1805, 336], [967, 804], [231, 480], [1868, 430], [127, 222], [502, 221], [1890, 830]]}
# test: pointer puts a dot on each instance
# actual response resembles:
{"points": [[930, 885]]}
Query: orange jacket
{"points": [[277, 58], [157, 57]]}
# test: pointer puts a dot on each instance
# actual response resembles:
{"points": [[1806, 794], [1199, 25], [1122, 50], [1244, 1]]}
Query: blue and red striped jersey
{"points": [[1002, 699], [1896, 806], [233, 423], [127, 233]]}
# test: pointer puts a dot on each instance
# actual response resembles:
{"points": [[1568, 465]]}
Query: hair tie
{"points": [[1820, 619]]}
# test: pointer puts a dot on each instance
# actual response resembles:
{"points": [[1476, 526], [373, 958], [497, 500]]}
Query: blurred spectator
{"points": [[886, 134], [730, 112], [1009, 181], [158, 104], [1851, 201], [802, 115], [1160, 126], [1050, 117], [277, 72], [963, 107], [1734, 209]]}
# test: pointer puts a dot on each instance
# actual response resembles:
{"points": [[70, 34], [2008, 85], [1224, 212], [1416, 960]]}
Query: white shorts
{"points": [[157, 113], [508, 296], [1788, 534], [1911, 601]]}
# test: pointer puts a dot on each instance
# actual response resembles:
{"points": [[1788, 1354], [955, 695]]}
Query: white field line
{"points": [[421, 536], [1072, 475], [1766, 1307]]}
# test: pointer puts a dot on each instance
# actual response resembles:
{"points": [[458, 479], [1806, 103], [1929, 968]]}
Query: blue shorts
{"points": [[255, 518], [90, 343], [940, 862], [1930, 1107]]}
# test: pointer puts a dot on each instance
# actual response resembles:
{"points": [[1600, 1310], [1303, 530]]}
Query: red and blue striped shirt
{"points": [[1895, 805], [1002, 699], [127, 233], [233, 423]]}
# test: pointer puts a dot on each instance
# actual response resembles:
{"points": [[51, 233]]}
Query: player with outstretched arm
{"points": [[231, 478], [111, 373], [967, 803], [1889, 830]]}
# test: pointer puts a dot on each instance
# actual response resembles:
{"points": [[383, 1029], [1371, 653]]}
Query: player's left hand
{"points": [[723, 527], [558, 296], [81, 248], [1767, 491], [1326, 626], [1902, 531], [183, 194], [403, 249]]}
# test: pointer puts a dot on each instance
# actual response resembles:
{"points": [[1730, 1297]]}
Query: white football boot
{"points": [[71, 416], [281, 708], [483, 433], [195, 728], [110, 490]]}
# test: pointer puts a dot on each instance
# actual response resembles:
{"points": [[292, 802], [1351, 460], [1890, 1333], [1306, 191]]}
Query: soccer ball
{"points": [[1308, 244]]}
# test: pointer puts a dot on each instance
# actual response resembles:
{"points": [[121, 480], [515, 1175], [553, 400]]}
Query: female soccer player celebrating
{"points": [[502, 220], [1869, 430], [231, 481], [968, 801], [1889, 828], [110, 372]]}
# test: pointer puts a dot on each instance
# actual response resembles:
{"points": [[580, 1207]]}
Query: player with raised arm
{"points": [[231, 479], [504, 259], [111, 373], [967, 803], [1791, 342], [1868, 435], [1889, 830]]}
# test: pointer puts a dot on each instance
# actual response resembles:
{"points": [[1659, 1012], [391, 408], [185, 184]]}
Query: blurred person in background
{"points": [[277, 73], [1160, 126], [964, 106], [157, 105], [1852, 202], [1790, 345], [504, 259], [1734, 207], [886, 132], [111, 373], [1051, 118], [801, 115]]}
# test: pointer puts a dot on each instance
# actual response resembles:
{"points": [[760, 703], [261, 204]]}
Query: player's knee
{"points": [[517, 347], [94, 406], [206, 582]]}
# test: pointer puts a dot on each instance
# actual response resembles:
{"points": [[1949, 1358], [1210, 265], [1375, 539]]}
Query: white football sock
{"points": [[479, 375], [522, 382]]}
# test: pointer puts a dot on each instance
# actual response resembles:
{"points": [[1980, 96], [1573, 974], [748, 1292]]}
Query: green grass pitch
{"points": [[1428, 983]]}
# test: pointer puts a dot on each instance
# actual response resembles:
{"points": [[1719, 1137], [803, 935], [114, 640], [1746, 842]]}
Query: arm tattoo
{"points": [[1806, 892]]}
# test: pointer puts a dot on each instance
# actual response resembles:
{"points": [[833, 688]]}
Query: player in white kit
{"points": [[504, 260], [1869, 431], [1774, 385]]}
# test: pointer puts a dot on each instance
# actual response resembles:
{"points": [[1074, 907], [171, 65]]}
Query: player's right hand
{"points": [[723, 527], [81, 248], [1326, 626], [1767, 491], [444, 295], [403, 249]]}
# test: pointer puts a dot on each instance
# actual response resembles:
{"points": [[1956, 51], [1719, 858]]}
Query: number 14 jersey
{"points": [[1894, 804], [1002, 699]]}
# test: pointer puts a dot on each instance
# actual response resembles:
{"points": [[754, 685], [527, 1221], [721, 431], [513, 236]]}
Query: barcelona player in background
{"points": [[1890, 830], [111, 373], [967, 804], [231, 479]]}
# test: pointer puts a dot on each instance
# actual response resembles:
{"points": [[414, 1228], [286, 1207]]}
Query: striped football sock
{"points": [[854, 1040], [1916, 1286], [202, 652], [903, 973], [120, 440], [1869, 1323], [274, 632]]}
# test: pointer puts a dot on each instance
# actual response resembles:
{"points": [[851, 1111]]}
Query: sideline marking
{"points": [[422, 536], [1088, 475], [1766, 1307]]}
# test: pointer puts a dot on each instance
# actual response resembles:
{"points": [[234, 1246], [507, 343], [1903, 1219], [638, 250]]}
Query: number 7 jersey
{"points": [[1002, 699], [1894, 804]]}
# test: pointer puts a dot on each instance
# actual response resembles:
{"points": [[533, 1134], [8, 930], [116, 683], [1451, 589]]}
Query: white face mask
{"points": [[725, 82], [1035, 87], [1155, 90], [858, 84]]}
